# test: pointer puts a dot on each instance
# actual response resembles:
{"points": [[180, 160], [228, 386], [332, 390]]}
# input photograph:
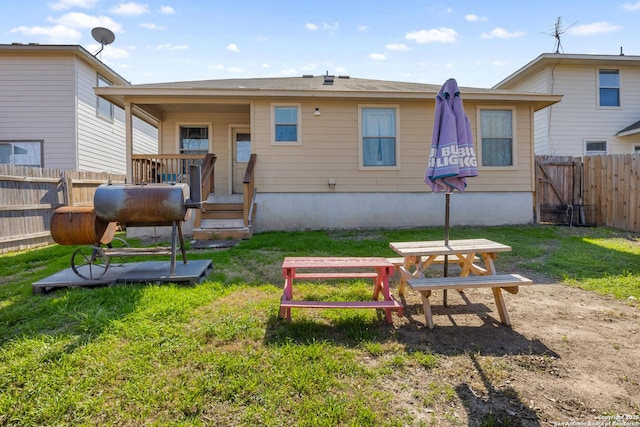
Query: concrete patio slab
{"points": [[134, 272]]}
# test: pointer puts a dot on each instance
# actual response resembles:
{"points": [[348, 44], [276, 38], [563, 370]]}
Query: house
{"points": [[600, 107], [50, 116], [338, 152]]}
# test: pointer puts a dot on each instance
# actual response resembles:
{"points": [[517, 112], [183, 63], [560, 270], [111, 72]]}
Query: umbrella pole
{"points": [[446, 242]]}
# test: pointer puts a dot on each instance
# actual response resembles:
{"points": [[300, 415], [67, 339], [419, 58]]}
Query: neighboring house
{"points": [[600, 107], [51, 117], [340, 152]]}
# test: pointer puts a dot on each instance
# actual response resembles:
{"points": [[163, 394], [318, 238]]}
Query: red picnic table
{"points": [[314, 268]]}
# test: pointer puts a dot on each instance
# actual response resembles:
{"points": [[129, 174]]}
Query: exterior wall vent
{"points": [[328, 80], [307, 76]]}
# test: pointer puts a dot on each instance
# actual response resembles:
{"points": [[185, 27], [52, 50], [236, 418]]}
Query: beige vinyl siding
{"points": [[330, 150], [102, 146], [101, 142], [563, 128], [37, 103]]}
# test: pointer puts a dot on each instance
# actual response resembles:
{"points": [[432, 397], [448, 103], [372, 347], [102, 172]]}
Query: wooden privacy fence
{"points": [[29, 196], [612, 183], [590, 190]]}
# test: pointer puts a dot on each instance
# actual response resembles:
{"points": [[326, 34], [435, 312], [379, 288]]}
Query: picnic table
{"points": [[327, 268], [417, 257]]}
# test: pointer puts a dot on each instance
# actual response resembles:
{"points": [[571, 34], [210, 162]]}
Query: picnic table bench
{"points": [[329, 268], [508, 282]]}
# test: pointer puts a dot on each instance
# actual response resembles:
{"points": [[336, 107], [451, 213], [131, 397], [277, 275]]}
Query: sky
{"points": [[478, 43]]}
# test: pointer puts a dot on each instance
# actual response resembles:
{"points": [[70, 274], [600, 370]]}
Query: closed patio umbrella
{"points": [[452, 158]]}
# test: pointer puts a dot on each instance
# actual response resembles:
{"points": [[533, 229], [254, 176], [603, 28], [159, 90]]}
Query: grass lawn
{"points": [[217, 354]]}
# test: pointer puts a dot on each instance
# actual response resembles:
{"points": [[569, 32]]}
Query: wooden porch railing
{"points": [[249, 190], [172, 168]]}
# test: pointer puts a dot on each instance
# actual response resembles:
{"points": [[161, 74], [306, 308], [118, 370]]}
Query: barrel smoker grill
{"points": [[130, 205]]}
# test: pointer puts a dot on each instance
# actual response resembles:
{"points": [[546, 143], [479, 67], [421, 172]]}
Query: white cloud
{"points": [[330, 27], [82, 20], [501, 33], [151, 26], [632, 7], [396, 46], [216, 67], [363, 28], [130, 9], [439, 35], [310, 26], [68, 4], [377, 57], [594, 28], [474, 18], [167, 10], [235, 69], [266, 66], [233, 47], [497, 63], [58, 34], [289, 72], [171, 46]]}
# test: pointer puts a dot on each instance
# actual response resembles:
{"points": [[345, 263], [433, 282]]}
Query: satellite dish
{"points": [[104, 36]]}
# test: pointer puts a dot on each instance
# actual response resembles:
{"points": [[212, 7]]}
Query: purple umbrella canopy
{"points": [[452, 158]]}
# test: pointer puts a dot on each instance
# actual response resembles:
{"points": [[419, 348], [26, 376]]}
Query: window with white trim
{"points": [[636, 149], [593, 148], [379, 136], [497, 145], [609, 88], [286, 124], [23, 153], [104, 108]]}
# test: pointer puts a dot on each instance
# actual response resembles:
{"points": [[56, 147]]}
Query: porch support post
{"points": [[128, 124]]}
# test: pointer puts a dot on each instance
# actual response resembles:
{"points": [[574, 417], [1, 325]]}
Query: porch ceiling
{"points": [[158, 109], [196, 107]]}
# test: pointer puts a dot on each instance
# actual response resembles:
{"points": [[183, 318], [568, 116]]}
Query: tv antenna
{"points": [[557, 32], [104, 36]]}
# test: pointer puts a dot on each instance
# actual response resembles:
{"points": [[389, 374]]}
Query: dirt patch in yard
{"points": [[570, 356]]}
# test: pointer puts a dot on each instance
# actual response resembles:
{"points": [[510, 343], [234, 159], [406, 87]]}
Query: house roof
{"points": [[630, 130], [324, 86], [551, 59]]}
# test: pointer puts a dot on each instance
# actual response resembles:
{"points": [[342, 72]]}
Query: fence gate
{"points": [[560, 192]]}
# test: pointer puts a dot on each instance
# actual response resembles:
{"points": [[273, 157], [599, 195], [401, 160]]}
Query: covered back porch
{"points": [[220, 217]]}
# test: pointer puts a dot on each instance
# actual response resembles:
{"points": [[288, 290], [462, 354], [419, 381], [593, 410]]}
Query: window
{"points": [[496, 137], [596, 147], [609, 84], [286, 119], [26, 153], [378, 136], [104, 108], [636, 149], [194, 139]]}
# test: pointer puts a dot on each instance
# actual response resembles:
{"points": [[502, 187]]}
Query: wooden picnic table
{"points": [[418, 256], [318, 268]]}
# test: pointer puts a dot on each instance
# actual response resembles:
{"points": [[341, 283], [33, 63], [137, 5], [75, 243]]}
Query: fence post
{"points": [[68, 185]]}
